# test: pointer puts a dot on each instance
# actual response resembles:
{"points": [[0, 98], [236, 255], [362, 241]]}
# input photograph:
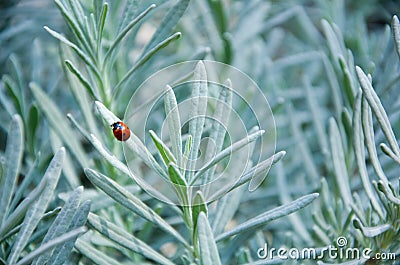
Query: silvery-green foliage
{"points": [[24, 210], [333, 145], [202, 246], [328, 68]]}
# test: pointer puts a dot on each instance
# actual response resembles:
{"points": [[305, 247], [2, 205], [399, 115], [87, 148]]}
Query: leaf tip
{"points": [[202, 217], [98, 104], [315, 194], [17, 118], [87, 170], [228, 83], [278, 156], [360, 73], [168, 88], [62, 150], [395, 20]]}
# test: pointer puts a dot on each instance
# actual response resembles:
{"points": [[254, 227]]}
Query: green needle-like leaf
{"points": [[379, 111], [389, 193], [97, 256], [125, 31], [174, 123], [335, 40], [199, 206], [186, 152], [163, 150], [208, 248], [14, 92], [368, 130], [125, 239], [360, 153], [167, 24], [61, 223], [62, 252], [75, 21], [114, 161], [386, 149], [77, 50], [36, 212], [226, 152], [100, 25], [270, 215], [218, 131], [45, 248], [371, 231], [396, 33], [13, 154], [81, 79], [179, 183], [260, 169], [19, 213], [347, 80], [131, 202], [338, 159], [59, 123], [32, 126], [142, 60], [198, 111], [175, 175]]}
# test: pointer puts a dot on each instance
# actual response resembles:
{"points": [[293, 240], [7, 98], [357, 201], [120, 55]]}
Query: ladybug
{"points": [[121, 131]]}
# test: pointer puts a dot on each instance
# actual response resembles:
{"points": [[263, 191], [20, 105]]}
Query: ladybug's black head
{"points": [[116, 125]]}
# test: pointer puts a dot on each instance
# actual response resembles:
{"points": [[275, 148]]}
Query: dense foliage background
{"points": [[337, 127]]}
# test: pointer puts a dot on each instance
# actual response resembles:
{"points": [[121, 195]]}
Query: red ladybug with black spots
{"points": [[121, 131]]}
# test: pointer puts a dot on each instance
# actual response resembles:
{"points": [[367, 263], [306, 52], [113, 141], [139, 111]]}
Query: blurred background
{"points": [[297, 52]]}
